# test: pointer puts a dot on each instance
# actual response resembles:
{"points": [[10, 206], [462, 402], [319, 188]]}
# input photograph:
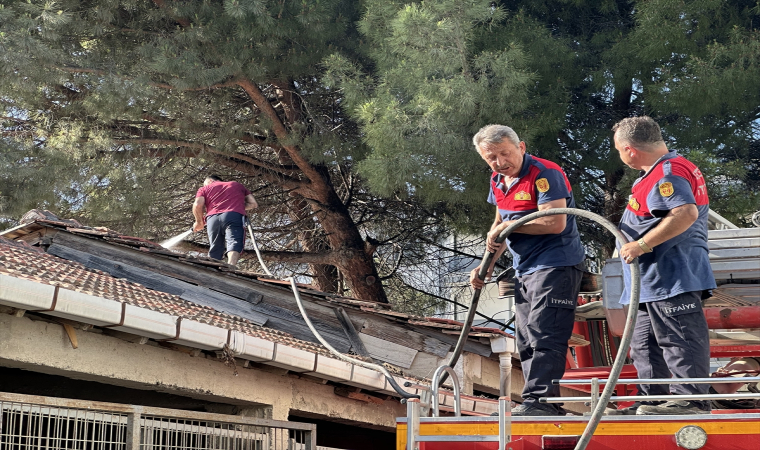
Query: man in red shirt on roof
{"points": [[225, 204]]}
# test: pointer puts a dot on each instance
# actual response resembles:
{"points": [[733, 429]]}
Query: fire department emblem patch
{"points": [[666, 189], [634, 204], [542, 184], [522, 195]]}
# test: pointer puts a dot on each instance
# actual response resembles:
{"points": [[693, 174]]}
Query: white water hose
{"points": [[256, 247], [354, 361], [487, 258], [319, 337]]}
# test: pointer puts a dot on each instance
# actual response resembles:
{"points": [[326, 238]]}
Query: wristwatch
{"points": [[643, 245]]}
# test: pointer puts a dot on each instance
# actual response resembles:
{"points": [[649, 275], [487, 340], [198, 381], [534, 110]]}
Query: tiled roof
{"points": [[35, 219], [20, 260]]}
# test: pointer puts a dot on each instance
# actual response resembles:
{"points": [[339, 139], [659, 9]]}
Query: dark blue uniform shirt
{"points": [[680, 264], [540, 181]]}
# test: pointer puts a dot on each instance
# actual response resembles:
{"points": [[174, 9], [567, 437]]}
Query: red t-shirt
{"points": [[223, 196]]}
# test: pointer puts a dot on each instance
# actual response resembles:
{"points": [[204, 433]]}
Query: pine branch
{"points": [[180, 20], [251, 139], [24, 133], [149, 137], [237, 161], [279, 128], [156, 84], [456, 303], [454, 251]]}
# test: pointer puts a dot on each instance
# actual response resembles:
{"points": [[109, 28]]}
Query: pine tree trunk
{"points": [[324, 276], [353, 259], [348, 251]]}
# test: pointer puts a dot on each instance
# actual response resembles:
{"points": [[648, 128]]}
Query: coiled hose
{"points": [[630, 322]]}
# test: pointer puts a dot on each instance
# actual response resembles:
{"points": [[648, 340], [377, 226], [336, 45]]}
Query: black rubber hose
{"points": [[630, 322]]}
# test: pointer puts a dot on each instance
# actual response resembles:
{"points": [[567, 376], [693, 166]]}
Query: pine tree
{"points": [[133, 102], [352, 121], [561, 73]]}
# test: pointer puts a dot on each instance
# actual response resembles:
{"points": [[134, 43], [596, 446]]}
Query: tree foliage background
{"points": [[561, 73], [351, 120]]}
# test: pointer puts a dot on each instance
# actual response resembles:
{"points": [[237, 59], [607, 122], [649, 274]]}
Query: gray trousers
{"points": [[545, 303], [671, 337], [226, 233]]}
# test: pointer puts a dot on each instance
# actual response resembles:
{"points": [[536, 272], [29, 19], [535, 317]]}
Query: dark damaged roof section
{"points": [[20, 260], [37, 221]]}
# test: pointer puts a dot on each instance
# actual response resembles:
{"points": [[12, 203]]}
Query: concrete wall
{"points": [[42, 346]]}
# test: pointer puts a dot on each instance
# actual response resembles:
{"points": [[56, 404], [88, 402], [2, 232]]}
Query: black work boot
{"points": [[629, 410], [671, 408], [536, 409]]}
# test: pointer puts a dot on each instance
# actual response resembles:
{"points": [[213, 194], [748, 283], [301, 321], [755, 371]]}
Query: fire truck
{"points": [[733, 316]]}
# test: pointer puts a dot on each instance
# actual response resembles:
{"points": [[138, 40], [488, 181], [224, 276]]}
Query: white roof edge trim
{"points": [[10, 230], [21, 293]]}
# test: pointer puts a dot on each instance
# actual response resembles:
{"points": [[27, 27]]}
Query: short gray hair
{"points": [[493, 134], [638, 130]]}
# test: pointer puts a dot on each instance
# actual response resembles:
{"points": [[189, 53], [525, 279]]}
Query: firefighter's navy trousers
{"points": [[545, 303], [671, 337]]}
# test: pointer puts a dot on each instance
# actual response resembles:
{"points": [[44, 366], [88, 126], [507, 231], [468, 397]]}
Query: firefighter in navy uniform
{"points": [[666, 220], [547, 257]]}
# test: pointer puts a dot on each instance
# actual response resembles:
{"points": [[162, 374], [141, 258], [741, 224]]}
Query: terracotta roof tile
{"points": [[22, 261], [367, 306]]}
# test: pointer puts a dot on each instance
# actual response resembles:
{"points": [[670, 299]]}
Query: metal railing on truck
{"points": [[47, 423], [596, 383]]}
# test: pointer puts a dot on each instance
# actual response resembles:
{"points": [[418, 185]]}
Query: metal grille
{"points": [[161, 433], [45, 423], [36, 426]]}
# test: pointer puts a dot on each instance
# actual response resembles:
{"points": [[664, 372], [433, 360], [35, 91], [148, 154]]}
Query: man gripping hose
{"points": [[547, 255], [666, 221]]}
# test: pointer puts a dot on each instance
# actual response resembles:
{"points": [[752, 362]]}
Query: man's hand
{"points": [[250, 202], [677, 221], [491, 244], [631, 251], [198, 226], [476, 282]]}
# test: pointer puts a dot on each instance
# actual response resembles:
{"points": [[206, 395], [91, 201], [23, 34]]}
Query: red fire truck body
{"points": [[732, 430], [733, 315]]}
